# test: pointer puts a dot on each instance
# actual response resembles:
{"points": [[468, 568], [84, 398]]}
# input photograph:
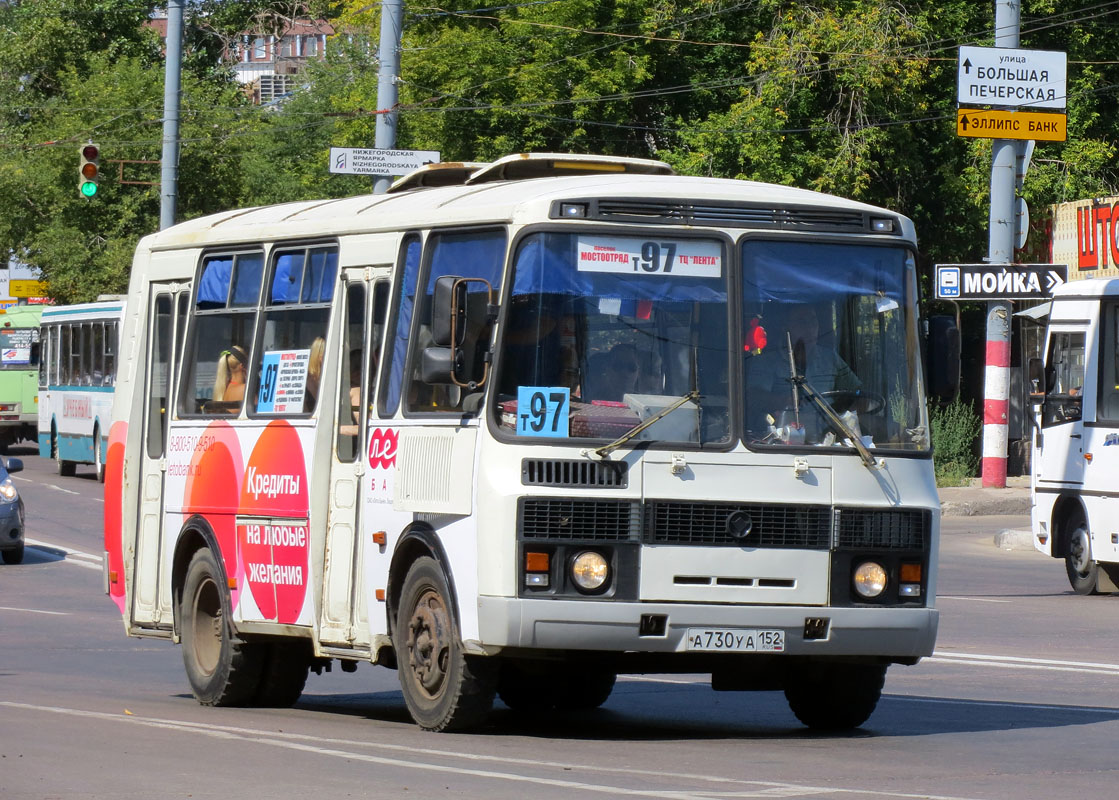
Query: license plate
{"points": [[736, 640]]}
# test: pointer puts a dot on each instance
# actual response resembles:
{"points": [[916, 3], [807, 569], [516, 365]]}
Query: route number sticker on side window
{"points": [[689, 258], [283, 381], [543, 410]]}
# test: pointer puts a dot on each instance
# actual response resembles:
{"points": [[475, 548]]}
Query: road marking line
{"points": [[972, 599], [36, 611], [294, 741], [72, 556], [1024, 659]]}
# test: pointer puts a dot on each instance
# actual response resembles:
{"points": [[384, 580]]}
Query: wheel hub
{"points": [[429, 643], [1079, 550]]}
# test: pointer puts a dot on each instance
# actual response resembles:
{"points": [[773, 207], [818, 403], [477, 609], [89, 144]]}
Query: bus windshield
{"points": [[603, 332], [830, 346]]}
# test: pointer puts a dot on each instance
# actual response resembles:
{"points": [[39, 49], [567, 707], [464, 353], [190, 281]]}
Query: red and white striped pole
{"points": [[996, 394]]}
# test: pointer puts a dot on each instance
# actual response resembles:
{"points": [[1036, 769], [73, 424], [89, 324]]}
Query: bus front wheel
{"points": [[443, 688], [98, 461], [1081, 568], [834, 697], [222, 668]]}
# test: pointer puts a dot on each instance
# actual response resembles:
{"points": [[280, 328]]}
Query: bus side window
{"points": [[1107, 401], [1065, 364], [293, 331], [224, 314], [475, 254]]}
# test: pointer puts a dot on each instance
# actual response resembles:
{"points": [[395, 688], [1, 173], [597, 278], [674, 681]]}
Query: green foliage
{"points": [[955, 430]]}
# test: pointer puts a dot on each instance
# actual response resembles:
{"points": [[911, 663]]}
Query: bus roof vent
{"points": [[524, 166], [730, 214], [574, 473], [447, 173]]}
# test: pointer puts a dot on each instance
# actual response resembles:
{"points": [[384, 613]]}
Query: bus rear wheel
{"points": [[65, 468], [834, 697], [1081, 568], [284, 673], [443, 688], [223, 669]]}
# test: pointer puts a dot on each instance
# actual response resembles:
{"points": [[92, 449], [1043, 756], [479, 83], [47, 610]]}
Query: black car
{"points": [[11, 513]]}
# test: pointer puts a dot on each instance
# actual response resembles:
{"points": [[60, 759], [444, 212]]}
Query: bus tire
{"points": [[66, 469], [1081, 568], [834, 697], [98, 459], [223, 669], [284, 674], [444, 689]]}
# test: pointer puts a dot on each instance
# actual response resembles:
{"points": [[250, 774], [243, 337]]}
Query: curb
{"points": [[985, 507], [1014, 540]]}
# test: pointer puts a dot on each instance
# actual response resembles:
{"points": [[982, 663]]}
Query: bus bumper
{"points": [[902, 634]]}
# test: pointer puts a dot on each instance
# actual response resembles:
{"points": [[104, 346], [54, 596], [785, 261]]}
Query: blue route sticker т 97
{"points": [[543, 410]]}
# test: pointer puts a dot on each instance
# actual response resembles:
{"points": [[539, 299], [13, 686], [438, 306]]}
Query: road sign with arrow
{"points": [[998, 281]]}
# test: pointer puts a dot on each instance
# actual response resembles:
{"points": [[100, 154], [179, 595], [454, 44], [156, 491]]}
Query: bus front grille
{"points": [[574, 472], [886, 529], [567, 519], [738, 525]]}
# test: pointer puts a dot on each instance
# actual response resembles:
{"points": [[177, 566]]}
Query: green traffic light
{"points": [[89, 188]]}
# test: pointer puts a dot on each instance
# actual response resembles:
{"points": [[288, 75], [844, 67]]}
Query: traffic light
{"points": [[89, 170]]}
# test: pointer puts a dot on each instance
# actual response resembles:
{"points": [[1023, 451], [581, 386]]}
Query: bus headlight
{"points": [[8, 493], [870, 579], [590, 571]]}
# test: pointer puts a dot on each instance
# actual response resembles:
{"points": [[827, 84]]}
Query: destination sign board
{"points": [[998, 281], [373, 161], [1011, 77], [1040, 126]]}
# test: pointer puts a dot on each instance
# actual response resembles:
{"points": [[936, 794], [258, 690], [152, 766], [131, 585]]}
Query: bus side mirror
{"points": [[14, 464], [1038, 387], [943, 358], [457, 333], [448, 311]]}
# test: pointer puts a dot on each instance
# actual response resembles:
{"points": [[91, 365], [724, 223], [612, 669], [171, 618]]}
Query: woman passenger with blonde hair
{"points": [[229, 384]]}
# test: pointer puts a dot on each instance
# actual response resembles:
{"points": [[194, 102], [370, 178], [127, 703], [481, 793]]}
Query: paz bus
{"points": [[437, 461], [76, 378], [1075, 448], [19, 363]]}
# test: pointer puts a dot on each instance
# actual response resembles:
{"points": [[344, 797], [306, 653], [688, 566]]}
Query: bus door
{"points": [[1061, 443], [167, 310], [345, 609]]}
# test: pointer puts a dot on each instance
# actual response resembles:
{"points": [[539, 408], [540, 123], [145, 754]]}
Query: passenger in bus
{"points": [[229, 384], [314, 373]]}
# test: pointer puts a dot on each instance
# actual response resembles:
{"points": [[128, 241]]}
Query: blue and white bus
{"points": [[76, 374]]}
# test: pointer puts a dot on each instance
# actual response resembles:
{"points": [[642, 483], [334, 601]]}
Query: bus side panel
{"points": [[80, 414], [249, 481], [114, 504]]}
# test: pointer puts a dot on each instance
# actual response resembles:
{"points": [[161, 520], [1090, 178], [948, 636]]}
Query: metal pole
{"points": [[169, 172], [392, 12], [996, 390]]}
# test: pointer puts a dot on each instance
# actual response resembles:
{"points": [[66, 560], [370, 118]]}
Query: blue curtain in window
{"points": [[286, 279], [246, 285], [213, 288], [797, 272]]}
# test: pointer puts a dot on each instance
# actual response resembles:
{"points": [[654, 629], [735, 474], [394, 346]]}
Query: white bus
{"points": [[1075, 453], [77, 371], [518, 428]]}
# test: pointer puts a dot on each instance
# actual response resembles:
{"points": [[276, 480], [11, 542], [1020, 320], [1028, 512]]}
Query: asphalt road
{"points": [[1020, 701]]}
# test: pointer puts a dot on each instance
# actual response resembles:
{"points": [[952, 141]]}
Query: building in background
{"points": [[267, 62]]}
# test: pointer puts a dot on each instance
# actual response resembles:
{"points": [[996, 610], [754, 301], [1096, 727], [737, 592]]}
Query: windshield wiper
{"points": [[603, 451], [801, 382]]}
